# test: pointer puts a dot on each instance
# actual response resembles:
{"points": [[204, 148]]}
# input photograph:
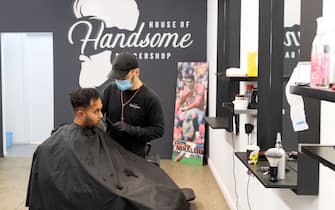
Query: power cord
{"points": [[248, 130], [249, 175], [234, 175]]}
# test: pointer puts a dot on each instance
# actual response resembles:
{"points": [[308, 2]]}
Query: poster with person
{"points": [[190, 109]]}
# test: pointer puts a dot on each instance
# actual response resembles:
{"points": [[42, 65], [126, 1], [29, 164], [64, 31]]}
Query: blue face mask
{"points": [[123, 84]]}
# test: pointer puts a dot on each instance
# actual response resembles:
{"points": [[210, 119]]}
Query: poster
{"points": [[190, 109]]}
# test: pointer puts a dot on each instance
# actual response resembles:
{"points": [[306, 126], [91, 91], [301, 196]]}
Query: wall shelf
{"points": [[231, 78], [252, 112], [219, 123], [326, 94], [290, 182], [323, 154], [237, 112]]}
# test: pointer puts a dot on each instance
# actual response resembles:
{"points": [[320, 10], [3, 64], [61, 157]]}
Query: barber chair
{"points": [[154, 159], [150, 156]]}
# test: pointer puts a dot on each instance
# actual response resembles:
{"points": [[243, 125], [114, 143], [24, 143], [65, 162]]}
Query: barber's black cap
{"points": [[122, 64]]}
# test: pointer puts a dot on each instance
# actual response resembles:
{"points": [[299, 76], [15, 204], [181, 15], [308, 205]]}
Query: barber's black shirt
{"points": [[144, 113]]}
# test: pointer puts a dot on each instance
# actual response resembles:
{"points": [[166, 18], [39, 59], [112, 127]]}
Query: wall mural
{"points": [[88, 34], [113, 13]]}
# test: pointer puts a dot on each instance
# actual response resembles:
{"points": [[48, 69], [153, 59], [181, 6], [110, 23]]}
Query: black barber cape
{"points": [[83, 169]]}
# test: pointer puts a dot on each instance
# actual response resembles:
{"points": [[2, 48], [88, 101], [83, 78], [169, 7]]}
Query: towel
{"points": [[296, 102]]}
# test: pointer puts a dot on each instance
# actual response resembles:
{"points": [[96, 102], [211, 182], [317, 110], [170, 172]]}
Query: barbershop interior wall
{"points": [[221, 160], [27, 86], [15, 16], [327, 176]]}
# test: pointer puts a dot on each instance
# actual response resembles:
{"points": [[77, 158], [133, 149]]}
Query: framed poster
{"points": [[190, 109]]}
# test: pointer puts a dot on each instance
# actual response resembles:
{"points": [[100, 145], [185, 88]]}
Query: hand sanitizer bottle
{"points": [[282, 163]]}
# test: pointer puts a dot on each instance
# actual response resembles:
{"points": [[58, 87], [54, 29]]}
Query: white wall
{"points": [[13, 86], [328, 8], [221, 150], [212, 22], [39, 82], [327, 176], [249, 29], [27, 73]]}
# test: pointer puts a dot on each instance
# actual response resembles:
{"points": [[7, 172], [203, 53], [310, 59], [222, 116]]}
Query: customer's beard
{"points": [[90, 123]]}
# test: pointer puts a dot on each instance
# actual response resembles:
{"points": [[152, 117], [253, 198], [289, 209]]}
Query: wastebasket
{"points": [[9, 139]]}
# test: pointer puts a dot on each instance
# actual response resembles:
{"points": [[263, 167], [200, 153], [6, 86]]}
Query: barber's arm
{"points": [[155, 128], [144, 134]]}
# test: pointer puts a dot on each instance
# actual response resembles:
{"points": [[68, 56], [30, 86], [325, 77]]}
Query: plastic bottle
{"points": [[282, 163], [248, 91], [320, 56], [252, 64]]}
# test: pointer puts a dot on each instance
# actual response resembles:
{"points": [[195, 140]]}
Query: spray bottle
{"points": [[282, 163], [320, 56]]}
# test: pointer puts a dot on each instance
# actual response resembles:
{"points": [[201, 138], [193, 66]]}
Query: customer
{"points": [[80, 167], [133, 110]]}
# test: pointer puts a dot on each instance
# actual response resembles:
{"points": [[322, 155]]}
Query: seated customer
{"points": [[80, 168]]}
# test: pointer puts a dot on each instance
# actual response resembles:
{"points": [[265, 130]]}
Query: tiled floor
{"points": [[14, 174], [21, 150], [201, 180]]}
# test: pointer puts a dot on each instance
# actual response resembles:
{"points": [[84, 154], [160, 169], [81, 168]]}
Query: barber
{"points": [[133, 111]]}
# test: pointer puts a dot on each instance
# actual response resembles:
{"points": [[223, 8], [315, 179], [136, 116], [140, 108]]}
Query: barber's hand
{"points": [[123, 127], [184, 109], [120, 126]]}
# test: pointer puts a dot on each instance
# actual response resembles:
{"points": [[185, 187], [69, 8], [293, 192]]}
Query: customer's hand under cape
{"points": [[126, 128]]}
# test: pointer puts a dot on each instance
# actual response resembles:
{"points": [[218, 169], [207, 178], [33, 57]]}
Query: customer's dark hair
{"points": [[82, 97]]}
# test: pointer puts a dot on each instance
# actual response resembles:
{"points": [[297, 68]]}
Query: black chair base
{"points": [[188, 193], [153, 158]]}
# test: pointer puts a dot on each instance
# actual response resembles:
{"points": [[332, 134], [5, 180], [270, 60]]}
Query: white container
{"points": [[250, 149], [240, 102]]}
